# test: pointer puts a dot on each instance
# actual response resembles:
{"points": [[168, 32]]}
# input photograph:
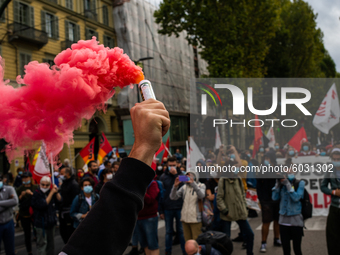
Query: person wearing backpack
{"points": [[147, 222], [332, 179], [83, 202], [193, 248], [290, 192]]}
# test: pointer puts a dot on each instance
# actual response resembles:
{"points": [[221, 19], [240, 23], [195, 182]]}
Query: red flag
{"points": [[299, 138], [258, 136], [154, 164], [88, 152], [167, 148], [104, 148]]}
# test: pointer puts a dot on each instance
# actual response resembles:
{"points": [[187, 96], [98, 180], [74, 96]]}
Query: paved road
{"points": [[313, 243]]}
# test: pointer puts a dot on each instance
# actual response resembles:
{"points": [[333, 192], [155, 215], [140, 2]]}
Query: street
{"points": [[313, 243]]}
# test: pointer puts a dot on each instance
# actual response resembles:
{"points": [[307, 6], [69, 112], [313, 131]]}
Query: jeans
{"points": [[7, 236], [148, 233], [246, 231], [45, 241], [170, 215], [26, 224], [135, 237]]}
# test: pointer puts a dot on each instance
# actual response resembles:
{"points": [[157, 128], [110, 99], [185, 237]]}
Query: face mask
{"points": [[109, 176], [232, 156], [237, 170], [277, 147], [266, 162], [56, 174], [336, 163], [20, 173], [249, 155], [261, 150], [214, 174], [88, 189], [291, 177], [169, 167], [80, 174], [44, 189], [62, 177], [305, 148], [323, 153], [159, 168], [291, 153], [184, 172], [1, 184], [28, 182]]}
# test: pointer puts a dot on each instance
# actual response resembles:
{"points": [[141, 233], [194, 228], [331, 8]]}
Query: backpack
{"points": [[306, 205], [218, 240], [161, 192]]}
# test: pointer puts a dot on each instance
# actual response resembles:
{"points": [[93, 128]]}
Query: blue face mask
{"points": [[20, 173], [249, 155], [266, 162], [291, 177], [88, 189], [277, 147], [1, 184], [237, 170], [291, 153], [28, 182], [336, 163], [232, 156], [323, 153], [261, 150], [305, 148]]}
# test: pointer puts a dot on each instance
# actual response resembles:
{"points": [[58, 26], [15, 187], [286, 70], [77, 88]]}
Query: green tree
{"points": [[233, 35]]}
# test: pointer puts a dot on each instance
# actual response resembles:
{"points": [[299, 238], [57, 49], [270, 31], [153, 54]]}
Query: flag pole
{"points": [[168, 151], [52, 167]]}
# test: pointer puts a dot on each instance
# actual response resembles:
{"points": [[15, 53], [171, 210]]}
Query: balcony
{"points": [[66, 44], [91, 14], [24, 33]]}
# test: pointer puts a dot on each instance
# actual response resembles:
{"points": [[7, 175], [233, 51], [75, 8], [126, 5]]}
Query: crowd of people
{"points": [[188, 204]]}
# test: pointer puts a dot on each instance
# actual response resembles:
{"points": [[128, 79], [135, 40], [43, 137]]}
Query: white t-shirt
{"points": [[89, 200]]}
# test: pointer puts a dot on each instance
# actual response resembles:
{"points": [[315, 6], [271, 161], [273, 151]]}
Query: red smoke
{"points": [[52, 103]]}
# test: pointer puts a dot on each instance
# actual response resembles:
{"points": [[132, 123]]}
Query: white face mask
{"points": [[44, 189], [214, 174], [159, 168], [109, 176], [56, 174]]}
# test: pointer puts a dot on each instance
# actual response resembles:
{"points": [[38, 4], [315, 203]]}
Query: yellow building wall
{"points": [[10, 52]]}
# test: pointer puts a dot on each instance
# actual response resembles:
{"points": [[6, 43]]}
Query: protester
{"points": [[332, 179], [178, 154], [83, 202], [56, 176], [66, 162], [18, 180], [269, 207], [92, 171], [68, 191], [105, 176], [25, 193], [231, 202], [171, 209], [193, 248], [8, 199], [147, 222], [107, 165], [115, 167], [289, 192], [291, 152], [279, 151], [80, 174], [306, 150], [191, 214], [121, 198], [43, 202]]}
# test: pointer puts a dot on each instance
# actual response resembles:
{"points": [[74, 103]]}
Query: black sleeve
{"points": [[108, 227]]}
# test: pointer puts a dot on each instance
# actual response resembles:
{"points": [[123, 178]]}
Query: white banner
{"points": [[218, 142], [42, 166], [313, 175], [271, 137], [195, 153]]}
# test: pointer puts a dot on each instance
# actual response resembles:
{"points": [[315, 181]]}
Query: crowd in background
{"points": [[188, 204]]}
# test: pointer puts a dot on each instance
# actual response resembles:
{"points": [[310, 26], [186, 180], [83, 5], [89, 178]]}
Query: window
{"points": [[69, 4], [50, 24], [49, 61], [3, 17], [90, 9], [72, 31], [108, 41], [24, 60], [89, 33], [23, 13], [105, 15]]}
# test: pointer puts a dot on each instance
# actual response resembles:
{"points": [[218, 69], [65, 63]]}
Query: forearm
{"points": [[324, 187], [9, 202], [49, 197], [173, 193]]}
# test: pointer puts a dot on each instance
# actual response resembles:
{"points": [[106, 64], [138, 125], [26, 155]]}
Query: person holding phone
{"points": [[192, 194]]}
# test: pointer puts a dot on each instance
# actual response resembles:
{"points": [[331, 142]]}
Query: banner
{"points": [[88, 152], [313, 179], [218, 142], [42, 166], [104, 148], [271, 137], [327, 116], [195, 153]]}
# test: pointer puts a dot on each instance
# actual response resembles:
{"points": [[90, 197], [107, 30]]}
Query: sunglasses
{"points": [[45, 185]]}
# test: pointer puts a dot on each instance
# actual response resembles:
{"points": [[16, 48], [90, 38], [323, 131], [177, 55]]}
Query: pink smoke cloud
{"points": [[52, 103]]}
